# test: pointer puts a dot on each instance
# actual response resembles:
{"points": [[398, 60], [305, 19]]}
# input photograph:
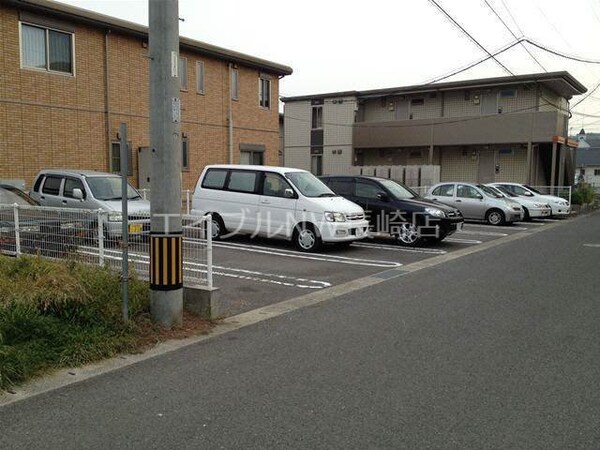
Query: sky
{"points": [[335, 45]]}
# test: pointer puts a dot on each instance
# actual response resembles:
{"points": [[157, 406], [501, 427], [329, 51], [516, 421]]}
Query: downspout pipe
{"points": [[107, 98], [230, 115]]}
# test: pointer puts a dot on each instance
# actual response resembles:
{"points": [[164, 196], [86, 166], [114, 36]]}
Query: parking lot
{"points": [[251, 273]]}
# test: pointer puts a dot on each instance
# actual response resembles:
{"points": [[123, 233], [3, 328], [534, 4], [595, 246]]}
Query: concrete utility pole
{"points": [[166, 262]]}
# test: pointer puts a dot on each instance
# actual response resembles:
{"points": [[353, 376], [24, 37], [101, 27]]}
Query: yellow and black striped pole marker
{"points": [[166, 268]]}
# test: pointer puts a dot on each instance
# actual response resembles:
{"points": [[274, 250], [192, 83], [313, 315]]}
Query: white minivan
{"points": [[278, 202]]}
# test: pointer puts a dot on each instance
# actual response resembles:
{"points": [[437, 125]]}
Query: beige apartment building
{"points": [[484, 130], [69, 77]]}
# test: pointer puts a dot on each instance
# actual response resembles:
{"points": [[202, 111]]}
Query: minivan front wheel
{"points": [[306, 238], [408, 235], [495, 217], [217, 227]]}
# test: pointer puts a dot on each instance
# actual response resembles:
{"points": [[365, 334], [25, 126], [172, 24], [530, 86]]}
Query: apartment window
{"points": [[417, 102], [596, 172], [508, 93], [235, 84], [316, 165], [185, 154], [46, 49], [183, 84], [251, 157], [200, 77], [115, 159], [264, 92], [317, 117]]}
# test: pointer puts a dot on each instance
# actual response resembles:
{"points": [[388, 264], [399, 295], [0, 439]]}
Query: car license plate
{"points": [[459, 226], [135, 228], [359, 232]]}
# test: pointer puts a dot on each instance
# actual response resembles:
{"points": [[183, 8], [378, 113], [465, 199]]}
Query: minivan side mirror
{"points": [[383, 197], [77, 194], [288, 193]]}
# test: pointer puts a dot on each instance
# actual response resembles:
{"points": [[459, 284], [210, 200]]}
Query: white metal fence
{"points": [[94, 237]]}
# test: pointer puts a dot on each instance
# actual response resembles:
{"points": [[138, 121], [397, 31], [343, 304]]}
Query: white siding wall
{"points": [[297, 123], [373, 111], [338, 117]]}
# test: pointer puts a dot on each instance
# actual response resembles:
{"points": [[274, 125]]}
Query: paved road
{"points": [[496, 349]]}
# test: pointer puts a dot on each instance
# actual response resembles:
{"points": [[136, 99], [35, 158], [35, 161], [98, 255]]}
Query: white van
{"points": [[278, 202]]}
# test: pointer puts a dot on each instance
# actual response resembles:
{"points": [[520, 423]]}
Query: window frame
{"points": [[596, 172], [225, 180], [264, 103], [129, 159], [47, 30], [183, 78], [77, 180], [200, 80], [442, 186], [261, 190], [185, 154], [316, 119], [60, 185], [257, 180]]}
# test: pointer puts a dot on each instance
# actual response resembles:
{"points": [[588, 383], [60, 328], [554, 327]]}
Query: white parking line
{"points": [[397, 248], [482, 233], [294, 254], [502, 227], [535, 224], [463, 241], [592, 245], [243, 274]]}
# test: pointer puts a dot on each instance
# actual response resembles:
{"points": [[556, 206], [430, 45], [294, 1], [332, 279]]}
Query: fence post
{"points": [[100, 238], [187, 202], [209, 256], [570, 190], [17, 231]]}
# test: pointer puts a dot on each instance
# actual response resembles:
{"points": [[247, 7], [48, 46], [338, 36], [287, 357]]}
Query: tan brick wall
{"points": [[54, 120]]}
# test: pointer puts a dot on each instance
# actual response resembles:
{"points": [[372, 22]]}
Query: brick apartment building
{"points": [[69, 77]]}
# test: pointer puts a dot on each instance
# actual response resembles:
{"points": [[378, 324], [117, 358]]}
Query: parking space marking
{"points": [[503, 227], [592, 245], [295, 254], [397, 248], [463, 241], [243, 274], [482, 233]]}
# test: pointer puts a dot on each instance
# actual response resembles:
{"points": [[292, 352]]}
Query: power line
{"points": [[586, 96], [561, 54], [514, 35], [470, 37], [473, 64]]}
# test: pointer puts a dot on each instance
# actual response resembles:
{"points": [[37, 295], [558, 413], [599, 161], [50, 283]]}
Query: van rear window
{"points": [[214, 179], [242, 181]]}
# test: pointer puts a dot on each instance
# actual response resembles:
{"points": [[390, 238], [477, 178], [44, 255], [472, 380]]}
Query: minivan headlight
{"points": [[115, 217], [435, 212], [331, 216]]}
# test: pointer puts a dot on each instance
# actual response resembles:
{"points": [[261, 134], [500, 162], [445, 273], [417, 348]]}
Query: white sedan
{"points": [[559, 206], [533, 209]]}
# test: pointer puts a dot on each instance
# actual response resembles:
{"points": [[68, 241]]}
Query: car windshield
{"points": [[309, 185], [109, 188], [489, 191], [10, 197], [533, 190], [397, 190], [506, 191]]}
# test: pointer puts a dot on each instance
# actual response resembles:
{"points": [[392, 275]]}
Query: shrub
{"points": [[583, 194], [56, 314]]}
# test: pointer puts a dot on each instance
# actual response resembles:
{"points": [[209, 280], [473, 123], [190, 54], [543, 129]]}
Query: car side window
{"points": [[38, 183], [70, 184], [446, 190], [463, 191], [367, 190], [274, 185], [214, 179], [242, 181], [52, 185], [341, 187]]}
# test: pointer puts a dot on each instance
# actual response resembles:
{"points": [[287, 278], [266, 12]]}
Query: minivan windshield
{"points": [[489, 191], [309, 185], [397, 190], [109, 188]]}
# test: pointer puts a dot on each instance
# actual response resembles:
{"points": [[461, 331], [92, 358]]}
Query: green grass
{"points": [[63, 314]]}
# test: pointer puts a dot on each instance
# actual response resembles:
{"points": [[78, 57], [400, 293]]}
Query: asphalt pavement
{"points": [[498, 348]]}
